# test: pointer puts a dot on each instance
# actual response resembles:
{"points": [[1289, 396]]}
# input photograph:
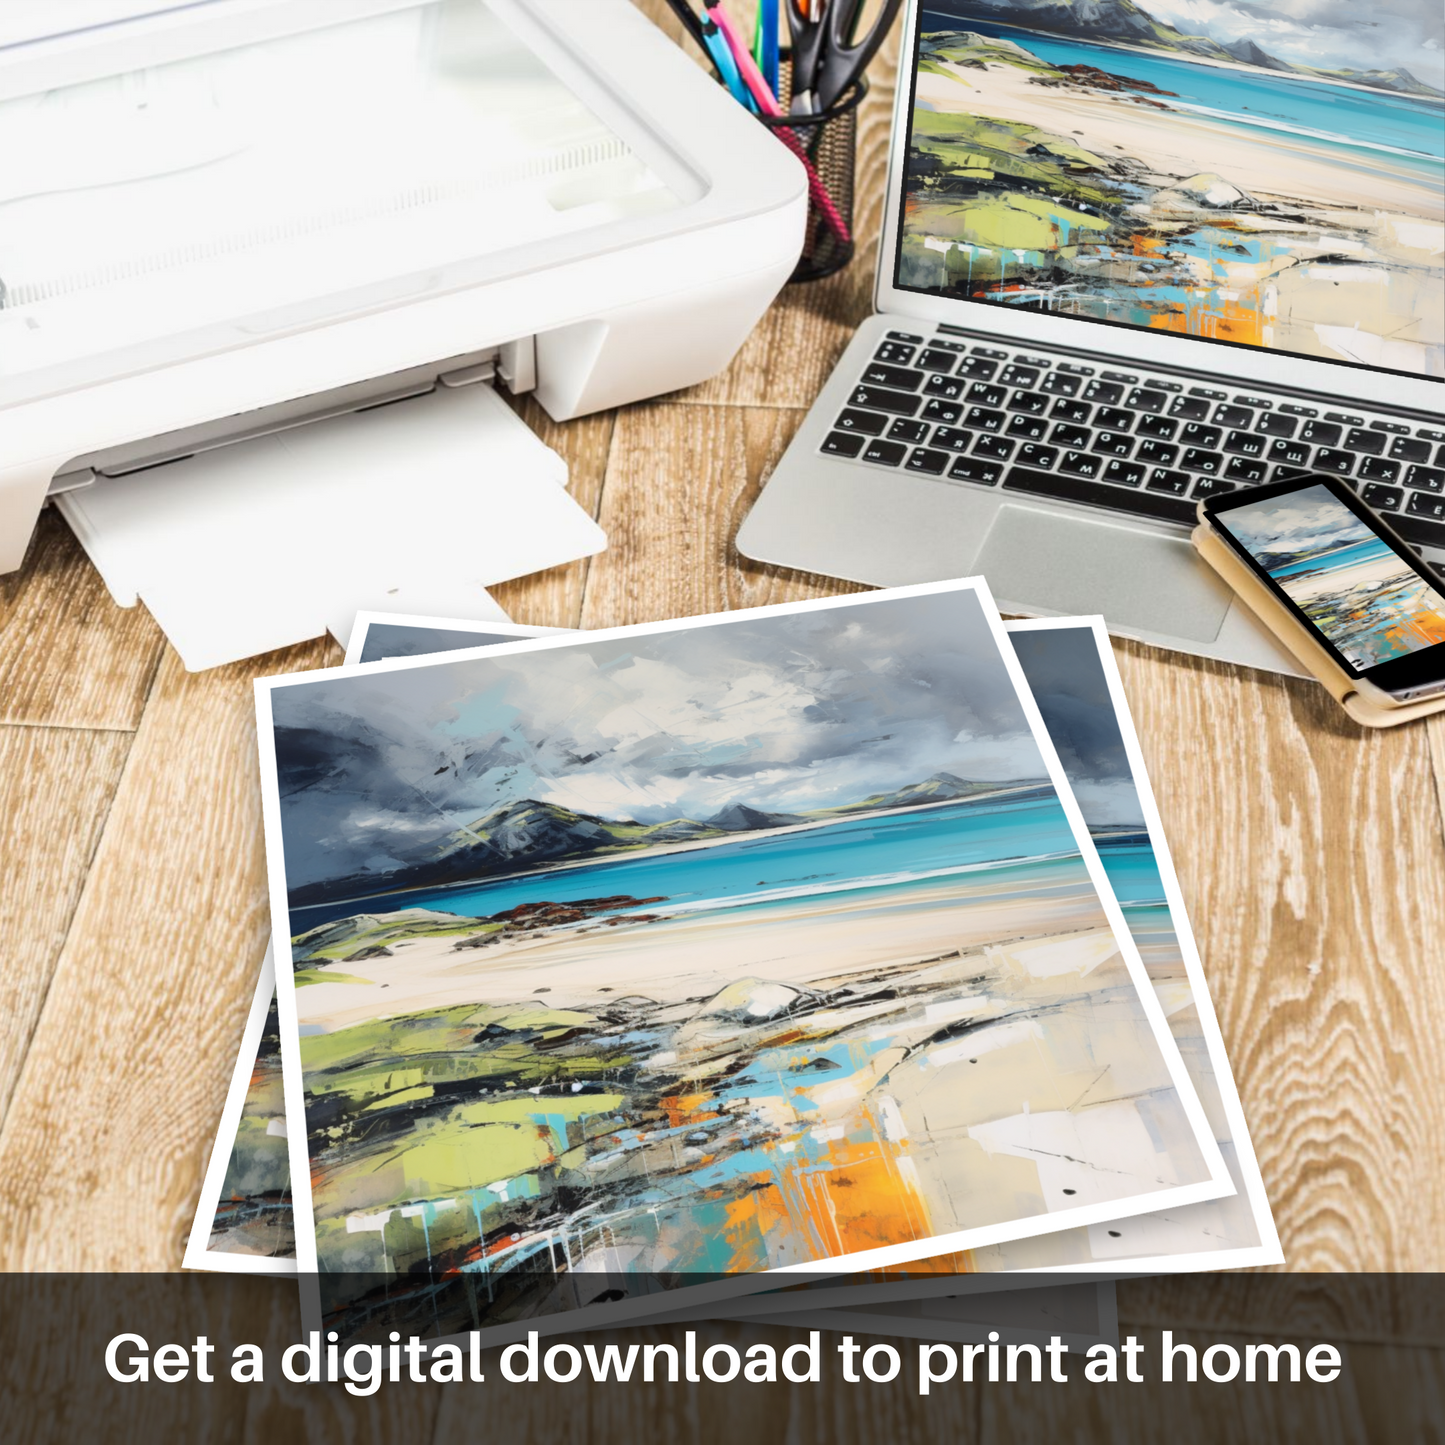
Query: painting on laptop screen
{"points": [[1269, 175]]}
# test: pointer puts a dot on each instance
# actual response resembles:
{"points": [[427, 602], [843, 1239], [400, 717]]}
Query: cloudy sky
{"points": [[784, 713], [1063, 669], [1329, 34], [1305, 521]]}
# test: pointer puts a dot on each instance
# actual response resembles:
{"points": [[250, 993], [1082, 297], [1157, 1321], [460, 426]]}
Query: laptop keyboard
{"points": [[1145, 444]]}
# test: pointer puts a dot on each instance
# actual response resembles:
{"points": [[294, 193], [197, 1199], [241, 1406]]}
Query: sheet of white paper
{"points": [[416, 506]]}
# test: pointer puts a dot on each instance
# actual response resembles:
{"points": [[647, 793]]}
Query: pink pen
{"points": [[768, 105]]}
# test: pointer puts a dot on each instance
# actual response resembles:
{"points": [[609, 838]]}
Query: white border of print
{"points": [[198, 1255], [1218, 1184], [365, 621]]}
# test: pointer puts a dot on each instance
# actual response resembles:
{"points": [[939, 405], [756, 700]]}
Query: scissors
{"points": [[828, 56]]}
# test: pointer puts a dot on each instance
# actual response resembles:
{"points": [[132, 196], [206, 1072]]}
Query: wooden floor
{"points": [[1311, 852]]}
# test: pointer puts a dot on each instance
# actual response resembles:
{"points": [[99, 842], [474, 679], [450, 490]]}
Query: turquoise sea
{"points": [[908, 849], [1355, 123]]}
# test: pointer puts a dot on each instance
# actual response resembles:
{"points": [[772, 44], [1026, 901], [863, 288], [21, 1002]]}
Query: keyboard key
{"points": [[1440, 457], [1293, 410], [1421, 505], [1030, 427], [1418, 530], [1042, 457], [1332, 459], [1395, 428], [1035, 403], [958, 347], [1124, 474], [1195, 435], [1321, 433], [1258, 401], [877, 374], [945, 411], [1107, 392], [1081, 464], [895, 353], [1071, 436], [867, 422], [972, 469], [1427, 479], [1210, 487], [955, 439], [948, 387], [1060, 383], [1377, 469], [1128, 378], [1156, 454], [1161, 427], [1113, 444], [935, 360], [878, 398], [843, 444], [977, 368], [1235, 416], [1409, 449], [1189, 408], [1291, 454], [923, 459], [983, 351], [983, 419], [997, 448], [1077, 370], [1429, 434], [982, 394], [904, 430], [905, 336], [1371, 443], [886, 454], [1382, 499], [1245, 469], [1077, 411], [1161, 479], [1114, 418], [1274, 425], [1100, 494], [1019, 375], [1344, 418], [1144, 398], [1199, 460], [1208, 393], [1245, 444]]}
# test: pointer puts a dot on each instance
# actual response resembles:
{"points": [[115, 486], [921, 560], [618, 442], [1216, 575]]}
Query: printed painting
{"points": [[1356, 589], [704, 949], [1264, 174]]}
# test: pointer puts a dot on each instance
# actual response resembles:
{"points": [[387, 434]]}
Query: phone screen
{"points": [[1366, 599]]}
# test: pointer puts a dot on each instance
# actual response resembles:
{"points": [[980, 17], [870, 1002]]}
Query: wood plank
{"points": [[115, 1110], [1312, 861], [679, 482], [554, 598], [69, 657], [56, 786]]}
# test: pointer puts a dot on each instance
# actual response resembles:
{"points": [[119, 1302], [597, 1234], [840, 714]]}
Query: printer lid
{"points": [[183, 178]]}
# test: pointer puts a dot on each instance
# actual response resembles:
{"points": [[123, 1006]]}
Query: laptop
{"points": [[1115, 279]]}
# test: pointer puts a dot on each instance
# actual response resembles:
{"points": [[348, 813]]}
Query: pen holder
{"points": [[826, 142]]}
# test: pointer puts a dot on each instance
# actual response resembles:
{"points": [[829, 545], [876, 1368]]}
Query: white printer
{"points": [[220, 221]]}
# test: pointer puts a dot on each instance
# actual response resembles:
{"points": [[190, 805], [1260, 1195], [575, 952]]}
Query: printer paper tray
{"points": [[417, 506]]}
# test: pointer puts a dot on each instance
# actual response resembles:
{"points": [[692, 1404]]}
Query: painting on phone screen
{"points": [[1370, 603]]}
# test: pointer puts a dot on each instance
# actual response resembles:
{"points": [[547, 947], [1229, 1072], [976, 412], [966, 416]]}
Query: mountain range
{"points": [[527, 831], [1122, 20]]}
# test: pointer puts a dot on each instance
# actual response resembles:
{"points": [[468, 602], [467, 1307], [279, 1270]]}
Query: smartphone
{"points": [[1337, 567]]}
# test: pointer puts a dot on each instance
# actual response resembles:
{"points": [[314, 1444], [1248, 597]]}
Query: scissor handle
{"points": [[844, 59]]}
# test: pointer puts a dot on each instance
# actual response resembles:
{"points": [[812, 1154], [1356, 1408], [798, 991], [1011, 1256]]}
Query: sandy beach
{"points": [[1174, 145], [693, 955]]}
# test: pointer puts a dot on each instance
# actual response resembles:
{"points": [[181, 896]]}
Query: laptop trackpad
{"points": [[1072, 565]]}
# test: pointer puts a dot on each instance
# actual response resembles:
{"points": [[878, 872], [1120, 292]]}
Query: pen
{"points": [[765, 42]]}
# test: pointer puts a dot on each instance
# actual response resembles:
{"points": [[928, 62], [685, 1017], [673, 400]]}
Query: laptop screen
{"points": [[1263, 175]]}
